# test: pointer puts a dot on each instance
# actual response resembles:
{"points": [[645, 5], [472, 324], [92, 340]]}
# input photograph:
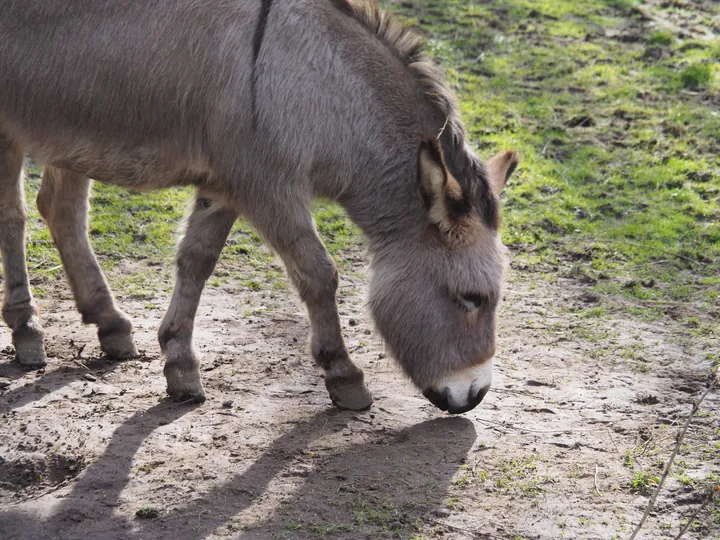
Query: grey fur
{"points": [[157, 93]]}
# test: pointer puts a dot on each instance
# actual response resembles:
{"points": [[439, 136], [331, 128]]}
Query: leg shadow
{"points": [[46, 382], [373, 489], [88, 508], [387, 485]]}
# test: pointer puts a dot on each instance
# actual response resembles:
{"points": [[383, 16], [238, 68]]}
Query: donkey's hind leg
{"points": [[19, 311], [292, 234], [63, 202], [205, 234]]}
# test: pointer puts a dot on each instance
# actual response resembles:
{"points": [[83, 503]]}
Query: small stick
{"points": [[79, 363], [528, 430], [596, 483], [678, 442], [454, 527], [613, 440]]}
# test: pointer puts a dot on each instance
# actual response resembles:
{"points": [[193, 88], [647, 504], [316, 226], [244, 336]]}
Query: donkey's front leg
{"points": [[205, 235], [63, 203], [314, 274], [18, 310]]}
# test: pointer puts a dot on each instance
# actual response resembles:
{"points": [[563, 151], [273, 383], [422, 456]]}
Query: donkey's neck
{"points": [[387, 205]]}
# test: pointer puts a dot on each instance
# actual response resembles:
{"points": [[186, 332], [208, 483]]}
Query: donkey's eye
{"points": [[471, 302]]}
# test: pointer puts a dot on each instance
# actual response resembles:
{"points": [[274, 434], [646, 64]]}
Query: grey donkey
{"points": [[263, 106]]}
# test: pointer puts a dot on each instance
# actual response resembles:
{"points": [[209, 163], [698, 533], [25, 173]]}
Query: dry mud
{"points": [[89, 448]]}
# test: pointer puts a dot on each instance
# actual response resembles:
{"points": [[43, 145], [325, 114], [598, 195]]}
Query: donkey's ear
{"points": [[500, 167], [441, 191]]}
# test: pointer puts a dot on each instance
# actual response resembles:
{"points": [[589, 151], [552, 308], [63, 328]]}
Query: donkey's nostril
{"points": [[473, 398], [481, 394], [439, 399]]}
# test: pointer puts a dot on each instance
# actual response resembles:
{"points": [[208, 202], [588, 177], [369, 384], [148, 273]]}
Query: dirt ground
{"points": [[561, 447]]}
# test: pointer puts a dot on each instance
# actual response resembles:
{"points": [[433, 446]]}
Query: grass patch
{"points": [[147, 512], [696, 76]]}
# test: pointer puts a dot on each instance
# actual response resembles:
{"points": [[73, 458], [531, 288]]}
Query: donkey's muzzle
{"points": [[462, 391], [444, 402]]}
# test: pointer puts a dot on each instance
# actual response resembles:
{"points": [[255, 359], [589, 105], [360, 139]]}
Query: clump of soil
{"points": [[34, 469]]}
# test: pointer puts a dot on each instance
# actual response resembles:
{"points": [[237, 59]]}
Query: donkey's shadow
{"points": [[384, 487], [386, 484]]}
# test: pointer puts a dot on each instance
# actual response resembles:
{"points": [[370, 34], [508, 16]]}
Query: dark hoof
{"points": [[354, 397], [184, 385], [119, 346], [29, 348], [31, 361], [187, 396]]}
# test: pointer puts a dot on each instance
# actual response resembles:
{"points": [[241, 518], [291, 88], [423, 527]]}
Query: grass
{"points": [[147, 512], [620, 174]]}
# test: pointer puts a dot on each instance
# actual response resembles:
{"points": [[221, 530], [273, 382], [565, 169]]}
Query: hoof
{"points": [[29, 349], [119, 346], [187, 395], [184, 385], [352, 397]]}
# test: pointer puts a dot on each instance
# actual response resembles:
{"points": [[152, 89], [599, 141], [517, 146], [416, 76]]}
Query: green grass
{"points": [[147, 512], [661, 37], [620, 177], [696, 76]]}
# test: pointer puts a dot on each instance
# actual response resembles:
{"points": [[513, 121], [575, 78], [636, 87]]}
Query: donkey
{"points": [[263, 106]]}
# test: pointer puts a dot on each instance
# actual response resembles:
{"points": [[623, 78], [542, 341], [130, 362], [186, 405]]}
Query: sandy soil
{"points": [[90, 449]]}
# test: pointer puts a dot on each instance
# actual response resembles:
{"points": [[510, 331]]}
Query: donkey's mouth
{"points": [[462, 390], [444, 400]]}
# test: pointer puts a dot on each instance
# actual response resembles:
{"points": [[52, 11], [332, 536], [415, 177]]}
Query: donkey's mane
{"points": [[408, 45]]}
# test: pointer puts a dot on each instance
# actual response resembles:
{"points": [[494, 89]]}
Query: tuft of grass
{"points": [[661, 37], [642, 482], [147, 512], [696, 76]]}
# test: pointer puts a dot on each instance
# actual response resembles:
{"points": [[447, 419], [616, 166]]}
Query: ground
{"points": [[608, 330]]}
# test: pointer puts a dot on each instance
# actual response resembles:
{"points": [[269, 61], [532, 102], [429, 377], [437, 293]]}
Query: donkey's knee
{"points": [[315, 276]]}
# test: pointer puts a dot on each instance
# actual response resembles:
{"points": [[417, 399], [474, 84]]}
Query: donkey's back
{"points": [[119, 81]]}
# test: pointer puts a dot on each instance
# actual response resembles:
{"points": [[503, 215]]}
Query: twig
{"points": [[443, 127], [454, 527], [678, 442], [79, 363], [516, 392], [660, 250], [613, 440], [528, 430], [596, 483], [695, 514]]}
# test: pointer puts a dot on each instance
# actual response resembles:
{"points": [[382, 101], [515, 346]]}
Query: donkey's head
{"points": [[434, 299]]}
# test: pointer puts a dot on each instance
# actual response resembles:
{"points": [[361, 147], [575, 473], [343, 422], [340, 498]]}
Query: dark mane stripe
{"points": [[260, 28], [257, 44]]}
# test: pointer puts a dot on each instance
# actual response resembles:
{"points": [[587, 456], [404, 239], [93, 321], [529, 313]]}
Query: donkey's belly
{"points": [[141, 169]]}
